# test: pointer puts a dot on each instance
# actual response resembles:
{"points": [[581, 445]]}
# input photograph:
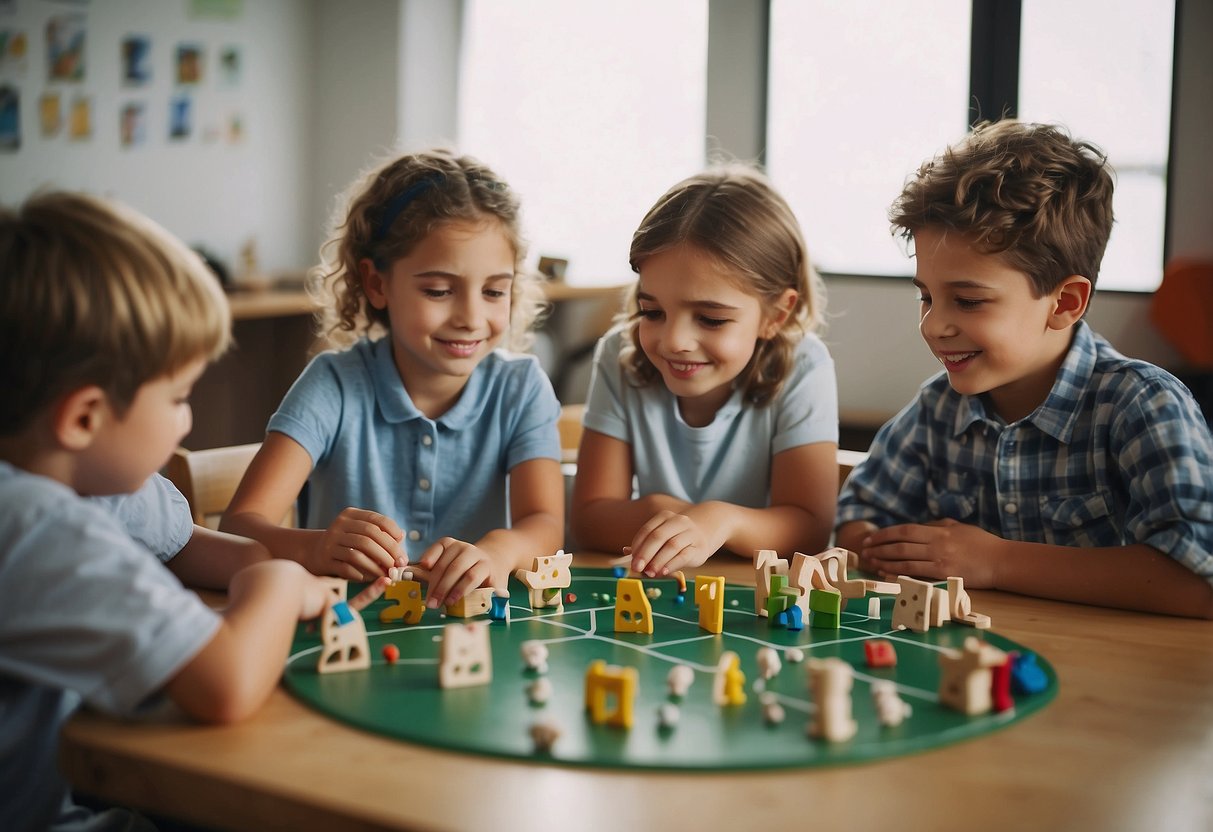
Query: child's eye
{"points": [[712, 323], [436, 293], [968, 303], [649, 314], [924, 299], [495, 294]]}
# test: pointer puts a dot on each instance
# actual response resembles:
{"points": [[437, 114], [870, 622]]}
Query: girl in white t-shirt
{"points": [[712, 418]]}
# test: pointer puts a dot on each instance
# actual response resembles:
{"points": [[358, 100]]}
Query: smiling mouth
{"points": [[459, 346], [681, 368], [957, 358]]}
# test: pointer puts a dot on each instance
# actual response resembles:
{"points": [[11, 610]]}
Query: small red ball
{"points": [[391, 653], [570, 598]]}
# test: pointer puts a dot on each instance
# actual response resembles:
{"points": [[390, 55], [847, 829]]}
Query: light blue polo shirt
{"points": [[729, 459], [157, 516], [371, 448]]}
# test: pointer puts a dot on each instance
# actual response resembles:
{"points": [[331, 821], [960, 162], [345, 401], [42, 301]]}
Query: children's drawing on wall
{"points": [[180, 117], [136, 60], [235, 129], [50, 115], [216, 9], [65, 39], [14, 46], [189, 63], [80, 119], [132, 124], [10, 118], [230, 66]]}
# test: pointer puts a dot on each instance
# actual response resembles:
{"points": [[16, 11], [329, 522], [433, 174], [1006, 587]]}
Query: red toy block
{"points": [[880, 653]]}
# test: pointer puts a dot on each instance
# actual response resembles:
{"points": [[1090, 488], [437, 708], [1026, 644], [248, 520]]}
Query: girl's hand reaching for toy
{"points": [[456, 568], [358, 545], [669, 541]]}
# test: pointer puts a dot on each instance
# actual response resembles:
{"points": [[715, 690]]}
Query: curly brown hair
{"points": [[391, 208], [1027, 192], [732, 213]]}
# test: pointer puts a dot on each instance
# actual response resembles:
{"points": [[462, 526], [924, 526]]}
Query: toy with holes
{"points": [[830, 681], [406, 594], [709, 596], [546, 577], [465, 659], [610, 694], [343, 639], [633, 612], [967, 676]]}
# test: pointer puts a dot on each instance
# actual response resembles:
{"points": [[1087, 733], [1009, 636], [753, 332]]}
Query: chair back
{"points": [[209, 478]]}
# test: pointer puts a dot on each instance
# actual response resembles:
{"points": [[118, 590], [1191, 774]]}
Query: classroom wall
{"points": [[206, 189]]}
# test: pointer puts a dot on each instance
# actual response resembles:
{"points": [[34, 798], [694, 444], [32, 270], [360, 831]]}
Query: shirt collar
{"points": [[397, 406], [1057, 414]]}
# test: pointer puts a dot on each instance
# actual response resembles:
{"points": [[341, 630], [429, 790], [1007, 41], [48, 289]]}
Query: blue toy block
{"points": [[343, 612], [1027, 676], [619, 572], [499, 605], [794, 618]]}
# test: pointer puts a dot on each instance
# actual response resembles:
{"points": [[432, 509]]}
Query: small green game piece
{"points": [[825, 608]]}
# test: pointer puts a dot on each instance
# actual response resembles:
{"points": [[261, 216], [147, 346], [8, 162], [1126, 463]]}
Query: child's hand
{"points": [[358, 545], [669, 542], [934, 551], [317, 596], [455, 568]]}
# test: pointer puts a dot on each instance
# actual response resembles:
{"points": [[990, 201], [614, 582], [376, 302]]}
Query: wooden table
{"points": [[1127, 745]]}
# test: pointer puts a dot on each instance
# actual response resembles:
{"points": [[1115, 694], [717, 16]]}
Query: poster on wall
{"points": [[10, 118], [229, 67], [80, 119], [180, 117], [65, 39], [189, 63], [14, 46], [132, 124], [136, 60], [50, 115]]}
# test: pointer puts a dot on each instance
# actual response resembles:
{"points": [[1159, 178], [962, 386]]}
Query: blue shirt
{"points": [[371, 448], [1118, 453], [729, 459], [85, 616], [157, 516]]}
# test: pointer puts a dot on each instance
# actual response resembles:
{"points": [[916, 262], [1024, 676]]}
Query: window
{"points": [[858, 100], [589, 111]]}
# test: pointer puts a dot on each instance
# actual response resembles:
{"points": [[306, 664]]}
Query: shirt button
{"points": [[1011, 508], [427, 441], [414, 535], [424, 484]]}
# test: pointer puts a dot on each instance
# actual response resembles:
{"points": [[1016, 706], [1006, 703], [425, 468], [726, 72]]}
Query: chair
{"points": [[209, 478], [570, 429], [846, 461]]}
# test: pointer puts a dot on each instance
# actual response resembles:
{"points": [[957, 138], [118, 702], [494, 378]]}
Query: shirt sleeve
{"points": [[535, 435], [156, 516], [604, 407], [311, 409], [1166, 453], [889, 487], [808, 404]]}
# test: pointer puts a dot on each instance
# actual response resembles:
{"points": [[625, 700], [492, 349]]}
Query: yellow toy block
{"points": [[728, 688], [709, 596], [606, 683], [633, 612], [410, 603], [476, 602]]}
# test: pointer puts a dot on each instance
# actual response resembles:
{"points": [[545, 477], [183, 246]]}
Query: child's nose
{"points": [[468, 312], [679, 336], [935, 323]]}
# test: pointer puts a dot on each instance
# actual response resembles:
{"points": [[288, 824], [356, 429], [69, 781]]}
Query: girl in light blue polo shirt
{"points": [[420, 440], [712, 419]]}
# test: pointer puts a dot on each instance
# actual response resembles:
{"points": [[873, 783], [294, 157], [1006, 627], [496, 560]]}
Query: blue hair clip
{"points": [[401, 201]]}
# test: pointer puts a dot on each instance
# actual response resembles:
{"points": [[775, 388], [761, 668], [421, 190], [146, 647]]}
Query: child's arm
{"points": [[234, 673], [536, 528], [1135, 577], [357, 545], [604, 515], [211, 558], [804, 485]]}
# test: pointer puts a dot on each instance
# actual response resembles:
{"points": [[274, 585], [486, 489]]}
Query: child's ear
{"points": [[783, 309], [373, 283], [1070, 301], [79, 417]]}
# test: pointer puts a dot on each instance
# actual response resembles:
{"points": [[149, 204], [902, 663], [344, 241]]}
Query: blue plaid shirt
{"points": [[1118, 453]]}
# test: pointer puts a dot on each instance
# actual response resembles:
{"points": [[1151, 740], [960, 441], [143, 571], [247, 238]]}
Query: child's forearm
{"points": [[785, 529], [1136, 577], [528, 537], [282, 542], [211, 558], [607, 525]]}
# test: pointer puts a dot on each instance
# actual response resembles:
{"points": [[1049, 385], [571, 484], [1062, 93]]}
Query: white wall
{"points": [[211, 193]]}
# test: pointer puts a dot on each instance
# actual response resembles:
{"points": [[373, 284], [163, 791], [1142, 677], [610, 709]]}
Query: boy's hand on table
{"points": [[358, 545], [933, 551], [671, 541], [457, 567]]}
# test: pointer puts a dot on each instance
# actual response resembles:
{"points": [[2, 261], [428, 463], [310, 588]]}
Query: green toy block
{"points": [[776, 604], [826, 609], [778, 582]]}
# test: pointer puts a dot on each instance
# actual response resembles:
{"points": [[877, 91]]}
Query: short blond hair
{"points": [[388, 210], [92, 292]]}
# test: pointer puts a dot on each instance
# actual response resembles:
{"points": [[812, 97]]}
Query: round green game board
{"points": [[404, 700]]}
